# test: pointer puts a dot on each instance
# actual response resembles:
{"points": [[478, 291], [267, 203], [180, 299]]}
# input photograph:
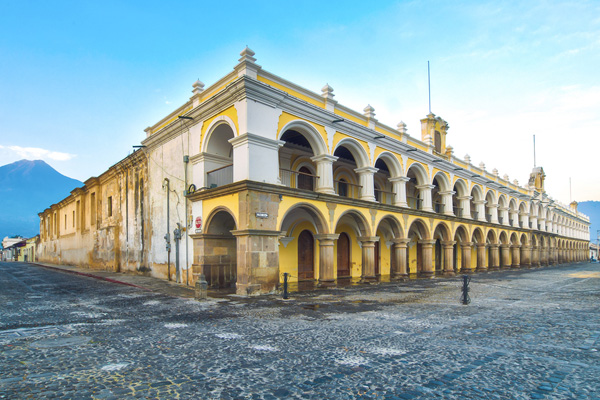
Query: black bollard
{"points": [[465, 299], [285, 286]]}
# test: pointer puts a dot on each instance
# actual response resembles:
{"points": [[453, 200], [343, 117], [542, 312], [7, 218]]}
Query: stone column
{"points": [[481, 257], [448, 247], [399, 188], [368, 258], [514, 215], [465, 205], [516, 255], [480, 207], [494, 263], [533, 220], [399, 270], [466, 257], [365, 177], [257, 261], [524, 218], [326, 256], [325, 173], [526, 256], [425, 196], [504, 215], [494, 213], [542, 224], [535, 256], [447, 200], [427, 256]]}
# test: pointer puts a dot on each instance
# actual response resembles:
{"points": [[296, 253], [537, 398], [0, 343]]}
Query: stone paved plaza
{"points": [[527, 334]]}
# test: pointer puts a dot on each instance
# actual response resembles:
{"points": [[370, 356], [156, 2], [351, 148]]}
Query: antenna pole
{"points": [[429, 86], [534, 165]]}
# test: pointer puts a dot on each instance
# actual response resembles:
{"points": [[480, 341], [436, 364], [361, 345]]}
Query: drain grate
{"points": [[27, 332]]}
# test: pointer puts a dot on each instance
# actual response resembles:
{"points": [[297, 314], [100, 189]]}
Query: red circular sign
{"points": [[198, 222]]}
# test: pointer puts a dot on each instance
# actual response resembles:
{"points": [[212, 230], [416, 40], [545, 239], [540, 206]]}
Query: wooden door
{"points": [[438, 255], [377, 258], [419, 257], [305, 181], [343, 256], [306, 256]]}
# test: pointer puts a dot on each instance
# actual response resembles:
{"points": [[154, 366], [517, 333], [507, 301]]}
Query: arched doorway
{"points": [[343, 256], [377, 258], [305, 179], [218, 251], [306, 256]]}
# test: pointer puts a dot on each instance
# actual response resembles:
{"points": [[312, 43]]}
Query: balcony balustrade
{"points": [[219, 176]]}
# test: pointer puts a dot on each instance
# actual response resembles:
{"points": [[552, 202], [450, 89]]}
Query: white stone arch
{"points": [[303, 212], [356, 221], [345, 173], [443, 181], [392, 162], [462, 189], [212, 127], [310, 133], [420, 172], [477, 193], [304, 162], [502, 201], [361, 157]]}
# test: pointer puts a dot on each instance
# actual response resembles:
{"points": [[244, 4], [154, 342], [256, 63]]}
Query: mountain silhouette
{"points": [[27, 188]]}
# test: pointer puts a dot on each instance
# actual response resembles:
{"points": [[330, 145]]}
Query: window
{"points": [[110, 206], [438, 142], [65, 221], [93, 209], [73, 218], [343, 188]]}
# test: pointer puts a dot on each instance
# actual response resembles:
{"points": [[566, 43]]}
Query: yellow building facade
{"points": [[270, 178]]}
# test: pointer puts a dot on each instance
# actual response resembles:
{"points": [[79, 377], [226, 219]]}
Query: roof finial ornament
{"points": [[369, 111], [402, 127], [467, 159], [198, 87], [327, 92], [247, 55]]}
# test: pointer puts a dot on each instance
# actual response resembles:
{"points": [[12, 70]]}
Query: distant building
{"points": [[262, 177], [12, 247]]}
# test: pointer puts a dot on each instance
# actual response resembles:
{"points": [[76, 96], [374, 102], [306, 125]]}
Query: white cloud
{"points": [[38, 153]]}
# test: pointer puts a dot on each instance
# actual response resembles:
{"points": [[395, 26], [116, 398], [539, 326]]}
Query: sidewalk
{"points": [[148, 283]]}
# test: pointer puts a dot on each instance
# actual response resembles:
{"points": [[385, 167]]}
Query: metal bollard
{"points": [[465, 299], [201, 288], [285, 286]]}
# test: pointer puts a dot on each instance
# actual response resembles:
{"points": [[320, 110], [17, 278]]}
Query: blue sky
{"points": [[79, 81]]}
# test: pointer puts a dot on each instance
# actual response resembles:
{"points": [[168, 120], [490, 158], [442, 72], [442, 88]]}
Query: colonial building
{"points": [[255, 176]]}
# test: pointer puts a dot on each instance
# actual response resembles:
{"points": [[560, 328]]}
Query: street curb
{"points": [[102, 278]]}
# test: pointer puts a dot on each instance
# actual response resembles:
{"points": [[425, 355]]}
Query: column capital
{"points": [[480, 245], [366, 170], [464, 198], [398, 241], [479, 201], [427, 242], [368, 239], [326, 236], [494, 245], [493, 206], [449, 243], [466, 244], [424, 187], [324, 158], [399, 179], [449, 193]]}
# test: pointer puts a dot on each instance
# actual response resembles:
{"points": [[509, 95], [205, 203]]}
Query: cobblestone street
{"points": [[527, 334]]}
